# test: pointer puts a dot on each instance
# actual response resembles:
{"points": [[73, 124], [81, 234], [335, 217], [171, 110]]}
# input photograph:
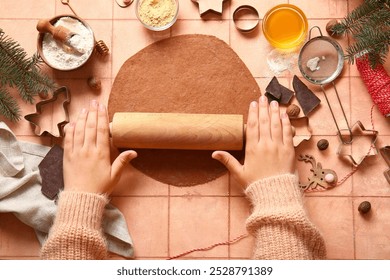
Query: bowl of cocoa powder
{"points": [[157, 15]]}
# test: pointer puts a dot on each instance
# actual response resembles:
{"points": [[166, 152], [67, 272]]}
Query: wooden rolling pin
{"points": [[178, 131]]}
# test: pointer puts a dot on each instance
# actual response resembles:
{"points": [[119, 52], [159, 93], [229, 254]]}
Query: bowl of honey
{"points": [[285, 27]]}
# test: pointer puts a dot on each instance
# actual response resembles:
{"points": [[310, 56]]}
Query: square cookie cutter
{"points": [[39, 106]]}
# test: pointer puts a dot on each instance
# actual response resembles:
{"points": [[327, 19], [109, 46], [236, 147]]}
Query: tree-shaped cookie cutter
{"points": [[39, 106]]}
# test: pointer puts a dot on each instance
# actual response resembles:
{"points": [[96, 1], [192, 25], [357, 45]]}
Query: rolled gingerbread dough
{"points": [[183, 74]]}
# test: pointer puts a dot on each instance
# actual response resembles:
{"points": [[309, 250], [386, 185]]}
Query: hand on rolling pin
{"points": [[269, 147], [87, 165]]}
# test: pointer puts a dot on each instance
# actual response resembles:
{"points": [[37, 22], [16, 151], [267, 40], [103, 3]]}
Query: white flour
{"points": [[280, 61], [63, 57]]}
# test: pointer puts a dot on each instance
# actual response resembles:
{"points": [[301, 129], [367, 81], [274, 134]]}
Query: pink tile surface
{"points": [[164, 220]]}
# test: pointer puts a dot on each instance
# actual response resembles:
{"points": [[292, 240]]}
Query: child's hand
{"points": [[87, 166], [269, 147]]}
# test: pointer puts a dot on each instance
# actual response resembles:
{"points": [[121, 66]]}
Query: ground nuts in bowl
{"points": [[157, 15]]}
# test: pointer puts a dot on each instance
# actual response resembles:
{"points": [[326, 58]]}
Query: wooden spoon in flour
{"points": [[61, 34]]}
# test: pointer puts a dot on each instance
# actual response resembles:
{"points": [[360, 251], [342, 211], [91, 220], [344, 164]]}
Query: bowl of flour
{"points": [[62, 56]]}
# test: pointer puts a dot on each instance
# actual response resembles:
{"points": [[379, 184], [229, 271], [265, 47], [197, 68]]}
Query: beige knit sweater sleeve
{"points": [[279, 222], [77, 229]]}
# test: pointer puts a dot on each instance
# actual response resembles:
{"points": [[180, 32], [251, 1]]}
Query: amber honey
{"points": [[285, 26]]}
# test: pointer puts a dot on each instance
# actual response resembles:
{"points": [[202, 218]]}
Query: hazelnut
{"points": [[293, 111], [364, 207], [322, 144], [94, 83], [329, 28]]}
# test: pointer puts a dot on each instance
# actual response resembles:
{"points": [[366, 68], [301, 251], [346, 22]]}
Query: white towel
{"points": [[20, 193]]}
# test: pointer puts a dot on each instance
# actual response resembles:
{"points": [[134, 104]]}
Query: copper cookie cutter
{"points": [[33, 118], [246, 18], [364, 133], [385, 152], [302, 130]]}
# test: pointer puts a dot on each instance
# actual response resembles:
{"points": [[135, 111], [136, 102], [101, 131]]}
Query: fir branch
{"points": [[9, 108], [19, 71], [357, 19], [375, 42]]}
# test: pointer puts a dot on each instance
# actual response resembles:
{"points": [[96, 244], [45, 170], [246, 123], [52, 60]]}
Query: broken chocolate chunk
{"points": [[50, 169], [273, 88], [306, 98], [278, 92], [286, 95]]}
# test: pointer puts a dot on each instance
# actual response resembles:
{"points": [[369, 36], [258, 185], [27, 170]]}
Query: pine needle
{"points": [[19, 71], [369, 25]]}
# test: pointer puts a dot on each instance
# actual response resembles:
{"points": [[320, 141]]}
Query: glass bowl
{"points": [[285, 26], [152, 20]]}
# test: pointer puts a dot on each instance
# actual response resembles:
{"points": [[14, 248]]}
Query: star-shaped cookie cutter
{"points": [[206, 6], [364, 133], [60, 126]]}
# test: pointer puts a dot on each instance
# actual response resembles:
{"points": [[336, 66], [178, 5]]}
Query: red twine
{"points": [[378, 84], [242, 236]]}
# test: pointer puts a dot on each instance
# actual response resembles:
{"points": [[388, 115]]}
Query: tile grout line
{"points": [[352, 177], [229, 218], [169, 223]]}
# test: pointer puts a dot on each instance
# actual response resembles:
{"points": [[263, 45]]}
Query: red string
{"points": [[242, 236], [377, 82]]}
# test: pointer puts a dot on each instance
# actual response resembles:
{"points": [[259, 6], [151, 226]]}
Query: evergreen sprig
{"points": [[369, 25], [19, 71]]}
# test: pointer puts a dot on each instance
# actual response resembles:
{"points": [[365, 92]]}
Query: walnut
{"points": [[322, 144], [293, 111]]}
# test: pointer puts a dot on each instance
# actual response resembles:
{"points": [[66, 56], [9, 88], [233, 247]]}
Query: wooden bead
{"points": [[329, 178], [364, 207], [322, 144]]}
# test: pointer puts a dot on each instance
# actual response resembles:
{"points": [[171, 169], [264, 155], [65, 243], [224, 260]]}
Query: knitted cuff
{"points": [[271, 192], [81, 209]]}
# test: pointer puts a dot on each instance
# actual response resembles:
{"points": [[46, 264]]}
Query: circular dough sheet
{"points": [[183, 74]]}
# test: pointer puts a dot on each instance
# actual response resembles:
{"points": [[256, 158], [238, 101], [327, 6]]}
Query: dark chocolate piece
{"points": [[306, 98], [287, 94], [278, 92], [273, 88], [50, 169]]}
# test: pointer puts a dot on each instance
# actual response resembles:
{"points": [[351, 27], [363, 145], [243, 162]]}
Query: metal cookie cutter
{"points": [[360, 132], [33, 118], [124, 3], [302, 131], [385, 152], [246, 18]]}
